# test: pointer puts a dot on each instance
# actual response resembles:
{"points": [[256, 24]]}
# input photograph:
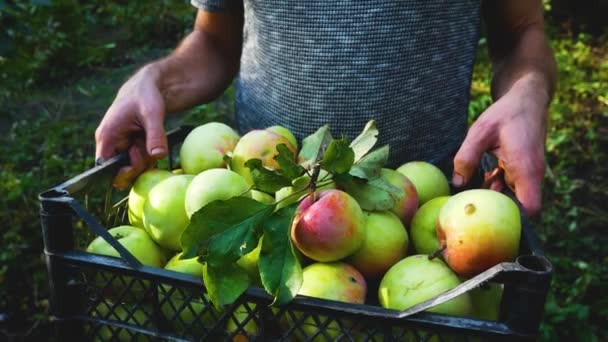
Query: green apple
{"points": [[212, 185], [205, 146], [135, 240], [261, 196], [282, 195], [423, 230], [486, 301], [136, 315], [407, 206], [142, 247], [193, 309], [479, 228], [415, 279], [249, 262], [139, 192], [243, 325], [286, 133], [337, 281], [384, 245], [165, 216], [258, 144], [188, 266], [428, 180]]}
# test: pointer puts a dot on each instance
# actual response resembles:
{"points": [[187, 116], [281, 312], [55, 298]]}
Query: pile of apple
{"points": [[348, 227]]}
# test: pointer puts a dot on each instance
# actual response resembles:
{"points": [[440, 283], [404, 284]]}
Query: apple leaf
{"points": [[288, 166], [264, 179], [280, 269], [376, 194], [231, 244], [225, 285], [218, 217], [370, 165], [339, 157], [365, 141], [313, 147]]}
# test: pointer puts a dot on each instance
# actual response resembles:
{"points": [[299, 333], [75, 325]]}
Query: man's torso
{"points": [[406, 64]]}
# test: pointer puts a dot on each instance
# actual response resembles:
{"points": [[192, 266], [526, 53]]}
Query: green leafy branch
{"points": [[223, 231]]}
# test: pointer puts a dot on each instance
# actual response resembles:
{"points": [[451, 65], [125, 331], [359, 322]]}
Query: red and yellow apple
{"points": [[479, 229], [406, 207], [205, 146], [384, 245], [330, 228], [258, 144]]}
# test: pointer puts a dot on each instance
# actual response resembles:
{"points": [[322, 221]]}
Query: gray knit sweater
{"points": [[405, 63]]}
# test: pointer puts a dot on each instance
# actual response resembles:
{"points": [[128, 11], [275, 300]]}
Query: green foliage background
{"points": [[61, 62]]}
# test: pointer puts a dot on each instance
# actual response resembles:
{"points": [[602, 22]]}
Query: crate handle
{"points": [[526, 265], [100, 230]]}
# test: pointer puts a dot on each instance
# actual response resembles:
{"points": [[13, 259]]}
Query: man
{"points": [[406, 64]]}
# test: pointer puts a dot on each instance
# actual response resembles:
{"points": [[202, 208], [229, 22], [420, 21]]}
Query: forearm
{"points": [[198, 71], [202, 66], [530, 63]]}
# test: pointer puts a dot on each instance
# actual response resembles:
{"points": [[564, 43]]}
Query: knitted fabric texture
{"points": [[405, 64]]}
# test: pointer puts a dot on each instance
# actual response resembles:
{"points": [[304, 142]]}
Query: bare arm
{"points": [[514, 127], [204, 64], [199, 70], [518, 47]]}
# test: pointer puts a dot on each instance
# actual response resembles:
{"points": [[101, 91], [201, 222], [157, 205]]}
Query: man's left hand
{"points": [[513, 130]]}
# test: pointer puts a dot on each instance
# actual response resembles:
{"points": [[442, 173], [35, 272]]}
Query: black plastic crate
{"points": [[95, 297]]}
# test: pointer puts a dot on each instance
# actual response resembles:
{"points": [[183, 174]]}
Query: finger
{"points": [[122, 178], [497, 185], [108, 138], [528, 192], [103, 148], [480, 138], [156, 140], [127, 174], [138, 157]]}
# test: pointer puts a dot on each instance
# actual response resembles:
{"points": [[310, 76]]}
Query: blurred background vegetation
{"points": [[61, 62]]}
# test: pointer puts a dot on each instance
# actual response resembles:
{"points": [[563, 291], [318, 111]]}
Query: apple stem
{"points": [[313, 182], [438, 251]]}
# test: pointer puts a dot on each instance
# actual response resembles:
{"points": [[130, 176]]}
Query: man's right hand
{"points": [[197, 71], [134, 122]]}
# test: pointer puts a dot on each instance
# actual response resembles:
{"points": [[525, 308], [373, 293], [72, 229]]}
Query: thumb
{"points": [[479, 139], [156, 140]]}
